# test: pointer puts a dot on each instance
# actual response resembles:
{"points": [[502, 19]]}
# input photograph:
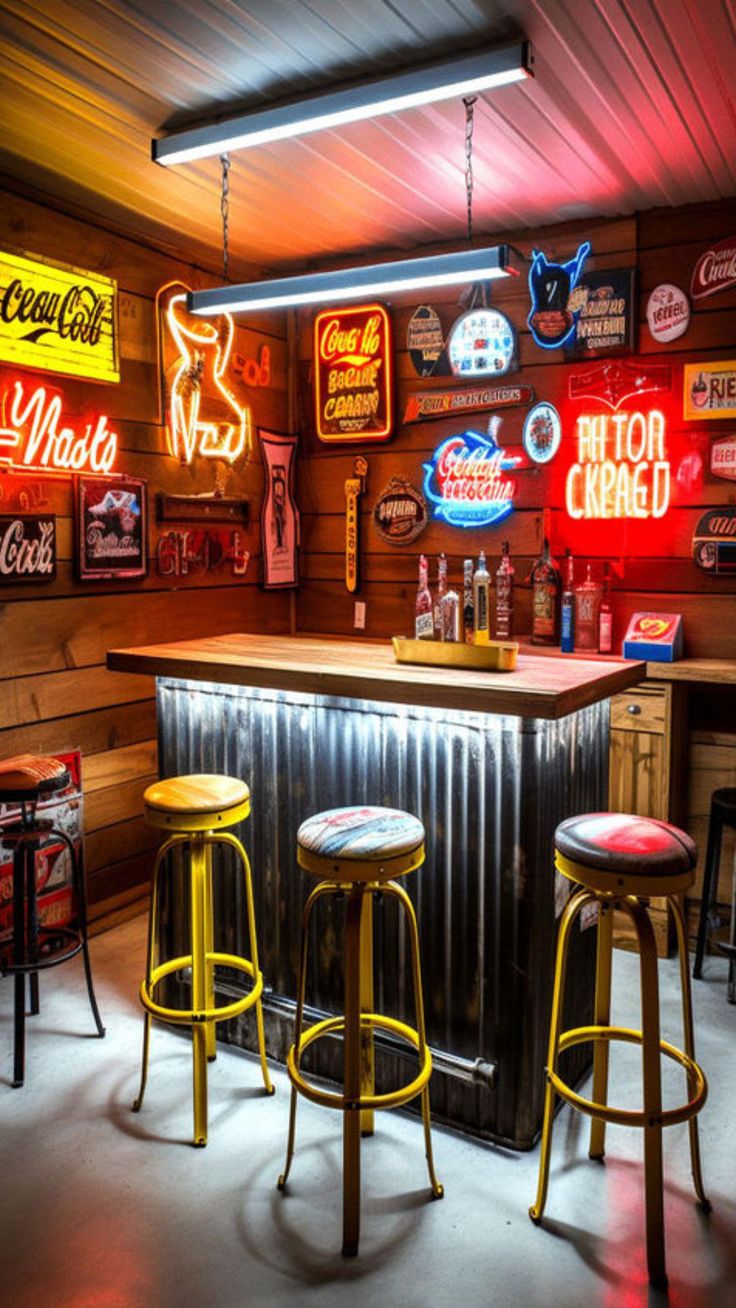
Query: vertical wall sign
{"points": [[424, 340], [279, 515], [482, 343], [58, 318], [204, 417], [353, 374], [606, 320], [111, 528], [354, 488], [36, 435], [27, 547], [710, 390], [715, 270], [554, 305], [467, 480]]}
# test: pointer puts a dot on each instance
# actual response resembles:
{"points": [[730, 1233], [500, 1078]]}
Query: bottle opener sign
{"points": [[354, 488]]}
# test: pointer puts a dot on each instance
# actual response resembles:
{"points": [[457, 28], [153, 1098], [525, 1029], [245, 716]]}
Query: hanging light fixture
{"points": [[442, 79]]}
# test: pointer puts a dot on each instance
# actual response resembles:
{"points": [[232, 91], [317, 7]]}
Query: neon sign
{"points": [[197, 390], [354, 381], [554, 312], [622, 469], [33, 435], [466, 481]]}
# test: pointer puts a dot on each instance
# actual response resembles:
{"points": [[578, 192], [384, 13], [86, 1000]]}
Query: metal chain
{"points": [[469, 103], [224, 210]]}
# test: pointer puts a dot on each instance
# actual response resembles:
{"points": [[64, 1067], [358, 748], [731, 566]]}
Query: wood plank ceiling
{"points": [[633, 106]]}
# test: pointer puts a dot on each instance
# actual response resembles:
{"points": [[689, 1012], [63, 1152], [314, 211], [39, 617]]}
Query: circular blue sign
{"points": [[542, 432]]}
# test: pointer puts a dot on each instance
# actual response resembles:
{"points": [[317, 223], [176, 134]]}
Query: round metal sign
{"points": [[400, 512], [482, 344], [542, 432], [668, 312], [424, 340]]}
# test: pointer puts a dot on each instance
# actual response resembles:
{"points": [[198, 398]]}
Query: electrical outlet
{"points": [[359, 617]]}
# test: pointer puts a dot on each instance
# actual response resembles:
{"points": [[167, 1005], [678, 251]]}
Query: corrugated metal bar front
{"points": [[490, 790]]}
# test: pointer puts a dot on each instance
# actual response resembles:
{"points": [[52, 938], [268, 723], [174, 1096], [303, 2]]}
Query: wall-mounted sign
{"points": [[204, 417], [254, 372], [723, 458], [715, 270], [111, 528], [482, 343], [656, 637], [710, 389], [58, 318], [668, 312], [191, 551], [354, 488], [606, 320], [424, 340], [714, 541], [201, 508], [353, 374], [422, 406], [542, 432], [279, 514], [467, 480], [34, 434], [622, 469], [400, 512], [554, 311], [27, 548], [619, 380]]}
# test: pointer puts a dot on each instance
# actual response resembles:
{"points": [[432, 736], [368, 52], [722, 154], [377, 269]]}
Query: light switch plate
{"points": [[359, 617]]}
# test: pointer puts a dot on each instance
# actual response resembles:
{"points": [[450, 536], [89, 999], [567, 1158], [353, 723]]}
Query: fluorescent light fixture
{"points": [[442, 79], [355, 283]]}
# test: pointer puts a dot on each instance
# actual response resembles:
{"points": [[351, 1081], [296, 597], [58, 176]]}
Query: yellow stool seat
{"points": [[196, 809], [358, 851], [618, 861]]}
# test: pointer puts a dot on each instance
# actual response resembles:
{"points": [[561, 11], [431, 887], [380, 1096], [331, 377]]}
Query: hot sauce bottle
{"points": [[505, 596], [587, 607], [423, 618], [545, 598], [481, 602]]}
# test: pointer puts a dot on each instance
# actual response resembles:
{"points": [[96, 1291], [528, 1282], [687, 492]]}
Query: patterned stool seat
{"points": [[197, 802], [622, 846], [26, 777], [359, 844]]}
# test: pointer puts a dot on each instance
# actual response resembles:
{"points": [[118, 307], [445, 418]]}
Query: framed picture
{"points": [[279, 515], [111, 528]]}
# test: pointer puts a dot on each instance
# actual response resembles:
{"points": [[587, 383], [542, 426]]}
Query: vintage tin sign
{"points": [[111, 528], [422, 406], [27, 547], [723, 458], [400, 512], [353, 374], [279, 514], [715, 270], [58, 318], [542, 432], [605, 321], [668, 312], [714, 541], [710, 389], [482, 343], [424, 340], [191, 551]]}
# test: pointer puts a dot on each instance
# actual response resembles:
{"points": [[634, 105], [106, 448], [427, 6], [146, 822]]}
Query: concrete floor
{"points": [[100, 1208]]}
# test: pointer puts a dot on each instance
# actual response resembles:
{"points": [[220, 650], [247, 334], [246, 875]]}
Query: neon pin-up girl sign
{"points": [[35, 435], [467, 483]]}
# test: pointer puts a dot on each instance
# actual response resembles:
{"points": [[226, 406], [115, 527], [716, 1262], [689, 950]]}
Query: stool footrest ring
{"points": [[187, 1016], [329, 1099], [625, 1116], [75, 946]]}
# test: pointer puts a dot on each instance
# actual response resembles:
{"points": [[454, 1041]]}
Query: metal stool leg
{"points": [[225, 837], [570, 912], [601, 1017], [652, 1078], [352, 1073], [710, 886], [151, 962], [19, 957], [198, 918], [689, 1042], [367, 1053], [81, 895], [210, 1027]]}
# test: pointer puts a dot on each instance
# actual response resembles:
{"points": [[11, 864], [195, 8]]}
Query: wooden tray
{"points": [[496, 656]]}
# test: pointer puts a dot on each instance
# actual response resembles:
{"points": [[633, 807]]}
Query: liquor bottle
{"points": [[605, 617], [567, 608], [441, 590], [481, 602], [423, 621], [505, 596], [450, 616], [545, 598], [468, 608], [587, 606]]}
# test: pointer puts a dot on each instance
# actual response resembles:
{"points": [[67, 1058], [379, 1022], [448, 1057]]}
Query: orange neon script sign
{"points": [[198, 395], [34, 435], [354, 382], [622, 469]]}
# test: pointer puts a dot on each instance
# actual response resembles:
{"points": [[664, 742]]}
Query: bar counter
{"points": [[490, 762]]}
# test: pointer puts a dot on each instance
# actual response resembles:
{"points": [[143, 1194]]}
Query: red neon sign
{"points": [[622, 469], [34, 435]]}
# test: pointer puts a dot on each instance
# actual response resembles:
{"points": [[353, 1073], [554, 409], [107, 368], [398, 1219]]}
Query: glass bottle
{"points": [[423, 620], [587, 607], [545, 598], [481, 601], [505, 596], [605, 617], [441, 590], [468, 606], [567, 607]]}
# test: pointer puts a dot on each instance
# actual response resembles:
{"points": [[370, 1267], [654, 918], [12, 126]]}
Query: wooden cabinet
{"points": [[648, 748]]}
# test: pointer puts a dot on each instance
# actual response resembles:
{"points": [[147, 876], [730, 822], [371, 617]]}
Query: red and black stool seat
{"points": [[622, 842]]}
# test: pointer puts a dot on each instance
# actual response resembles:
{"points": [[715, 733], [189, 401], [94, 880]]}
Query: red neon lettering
{"points": [[33, 431], [622, 470]]}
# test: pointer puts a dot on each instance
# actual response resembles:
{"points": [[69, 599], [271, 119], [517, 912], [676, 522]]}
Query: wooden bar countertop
{"points": [[538, 688]]}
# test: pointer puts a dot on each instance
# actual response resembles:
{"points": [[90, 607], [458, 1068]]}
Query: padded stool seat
{"points": [[197, 802], [360, 844], [616, 851], [26, 778]]}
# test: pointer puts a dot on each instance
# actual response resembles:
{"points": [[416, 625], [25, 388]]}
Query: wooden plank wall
{"points": [[55, 692], [657, 569]]}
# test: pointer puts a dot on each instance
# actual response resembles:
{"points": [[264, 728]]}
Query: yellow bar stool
{"points": [[196, 810], [619, 861], [356, 852]]}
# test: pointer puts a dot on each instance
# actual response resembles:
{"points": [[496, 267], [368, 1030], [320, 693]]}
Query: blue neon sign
{"points": [[466, 483], [551, 322]]}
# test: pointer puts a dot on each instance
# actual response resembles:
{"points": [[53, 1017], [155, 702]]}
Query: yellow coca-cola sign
{"points": [[58, 318], [353, 371]]}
